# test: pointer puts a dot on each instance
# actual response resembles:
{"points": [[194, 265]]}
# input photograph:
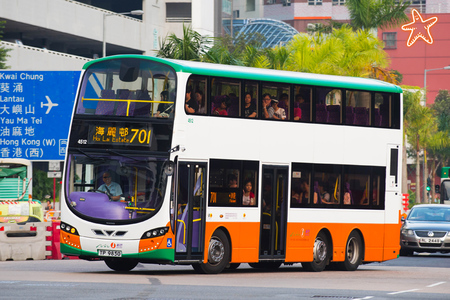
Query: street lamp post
{"points": [[425, 77], [133, 12]]}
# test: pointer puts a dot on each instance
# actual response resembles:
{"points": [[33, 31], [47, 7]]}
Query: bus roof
{"points": [[209, 69]]}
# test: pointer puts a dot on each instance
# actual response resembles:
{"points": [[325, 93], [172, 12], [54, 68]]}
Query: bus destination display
{"points": [[119, 134]]}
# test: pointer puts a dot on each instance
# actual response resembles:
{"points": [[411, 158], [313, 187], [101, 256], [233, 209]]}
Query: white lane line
{"points": [[436, 284], [401, 292], [365, 298]]}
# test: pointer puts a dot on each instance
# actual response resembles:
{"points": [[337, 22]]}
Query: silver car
{"points": [[426, 229]]}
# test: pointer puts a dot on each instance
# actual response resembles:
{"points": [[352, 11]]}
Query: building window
{"points": [[178, 12], [338, 2], [390, 40], [250, 5], [314, 2]]}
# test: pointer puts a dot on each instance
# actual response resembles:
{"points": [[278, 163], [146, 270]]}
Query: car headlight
{"points": [[407, 232]]}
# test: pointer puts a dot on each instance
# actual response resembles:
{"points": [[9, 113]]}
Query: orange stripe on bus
{"points": [[300, 237]]}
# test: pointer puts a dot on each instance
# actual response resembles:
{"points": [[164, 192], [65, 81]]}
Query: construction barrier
{"points": [[52, 238], [22, 242]]}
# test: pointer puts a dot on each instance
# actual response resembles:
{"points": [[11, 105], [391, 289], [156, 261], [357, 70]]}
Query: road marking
{"points": [[365, 298], [401, 292], [435, 284]]}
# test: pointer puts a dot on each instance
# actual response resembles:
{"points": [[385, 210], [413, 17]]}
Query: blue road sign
{"points": [[35, 113]]}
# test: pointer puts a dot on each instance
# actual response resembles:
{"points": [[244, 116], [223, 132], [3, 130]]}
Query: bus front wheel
{"points": [[353, 253], [218, 254], [322, 254], [120, 265]]}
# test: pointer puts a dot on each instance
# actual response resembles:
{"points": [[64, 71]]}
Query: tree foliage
{"points": [[3, 52], [373, 14], [191, 46]]}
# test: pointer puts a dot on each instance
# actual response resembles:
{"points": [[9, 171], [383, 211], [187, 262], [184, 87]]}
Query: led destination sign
{"points": [[121, 135]]}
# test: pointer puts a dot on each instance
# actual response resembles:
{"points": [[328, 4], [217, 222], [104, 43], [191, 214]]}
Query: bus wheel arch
{"points": [[219, 253], [354, 251], [322, 252]]}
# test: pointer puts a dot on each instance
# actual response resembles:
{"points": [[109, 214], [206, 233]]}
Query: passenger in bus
{"points": [[232, 181], [284, 103], [296, 192], [347, 194], [324, 195], [266, 107], [164, 110], [222, 109], [249, 108], [248, 198], [306, 193], [201, 102], [191, 105], [278, 112], [297, 107], [111, 188]]}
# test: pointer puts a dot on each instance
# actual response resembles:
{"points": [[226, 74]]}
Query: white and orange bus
{"points": [[177, 162]]}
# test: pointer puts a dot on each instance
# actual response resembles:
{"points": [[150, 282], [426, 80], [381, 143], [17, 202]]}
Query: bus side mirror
{"points": [[169, 168]]}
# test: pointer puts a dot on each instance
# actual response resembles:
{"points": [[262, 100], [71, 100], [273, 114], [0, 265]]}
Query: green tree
{"points": [[3, 52], [420, 124], [343, 52], [191, 46], [373, 14], [42, 185]]}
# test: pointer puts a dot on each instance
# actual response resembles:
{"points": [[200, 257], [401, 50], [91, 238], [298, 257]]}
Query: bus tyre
{"points": [[353, 253], [120, 265], [218, 254], [322, 254]]}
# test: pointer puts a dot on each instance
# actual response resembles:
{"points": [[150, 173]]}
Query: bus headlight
{"points": [[68, 228], [155, 233]]}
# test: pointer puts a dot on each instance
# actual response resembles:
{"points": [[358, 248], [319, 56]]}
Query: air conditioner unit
{"points": [[311, 26]]}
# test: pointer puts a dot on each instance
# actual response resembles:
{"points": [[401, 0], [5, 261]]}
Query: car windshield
{"points": [[436, 213], [115, 187]]}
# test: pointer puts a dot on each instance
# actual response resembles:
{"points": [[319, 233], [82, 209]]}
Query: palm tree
{"points": [[420, 125], [189, 47], [343, 52], [372, 14]]}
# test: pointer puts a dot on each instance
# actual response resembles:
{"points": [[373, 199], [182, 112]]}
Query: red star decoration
{"points": [[419, 28]]}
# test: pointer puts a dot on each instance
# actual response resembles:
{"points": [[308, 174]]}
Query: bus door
{"points": [[274, 212], [190, 207]]}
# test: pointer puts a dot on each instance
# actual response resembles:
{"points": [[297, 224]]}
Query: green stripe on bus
{"points": [[156, 255], [248, 73]]}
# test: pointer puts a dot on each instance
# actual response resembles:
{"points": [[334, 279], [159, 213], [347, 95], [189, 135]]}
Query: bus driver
{"points": [[112, 189]]}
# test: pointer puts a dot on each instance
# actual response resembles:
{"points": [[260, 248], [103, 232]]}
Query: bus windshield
{"points": [[128, 87], [115, 187]]}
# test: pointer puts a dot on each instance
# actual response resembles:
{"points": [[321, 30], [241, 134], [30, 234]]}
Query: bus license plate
{"points": [[430, 241], [111, 253]]}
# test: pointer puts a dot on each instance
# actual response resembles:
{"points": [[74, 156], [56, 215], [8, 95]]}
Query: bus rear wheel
{"points": [[322, 254], [120, 265], [218, 254], [353, 253]]}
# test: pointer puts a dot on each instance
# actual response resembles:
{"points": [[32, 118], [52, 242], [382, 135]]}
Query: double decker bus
{"points": [[213, 165]]}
